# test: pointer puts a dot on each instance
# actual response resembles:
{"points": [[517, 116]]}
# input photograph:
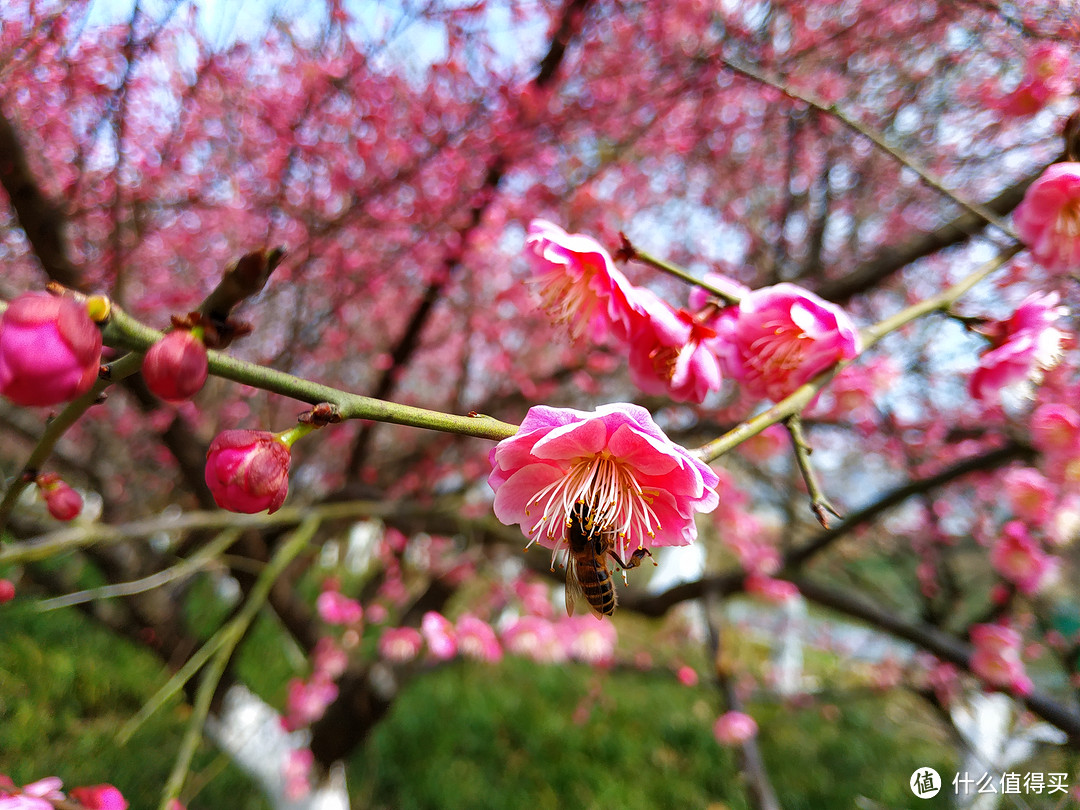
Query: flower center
{"points": [[568, 299], [615, 503], [781, 349], [1068, 222]]}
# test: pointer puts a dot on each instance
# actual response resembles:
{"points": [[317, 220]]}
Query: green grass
{"points": [[464, 735]]}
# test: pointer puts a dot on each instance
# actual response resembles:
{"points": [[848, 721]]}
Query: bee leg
{"points": [[635, 558]]}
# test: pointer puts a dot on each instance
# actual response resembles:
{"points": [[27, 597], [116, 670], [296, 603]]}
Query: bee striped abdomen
{"points": [[598, 587]]}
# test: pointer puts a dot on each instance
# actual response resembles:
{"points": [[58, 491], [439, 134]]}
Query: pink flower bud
{"points": [[62, 501], [687, 675], [734, 728], [99, 797], [336, 608], [175, 367], [50, 350], [7, 590], [248, 470]]}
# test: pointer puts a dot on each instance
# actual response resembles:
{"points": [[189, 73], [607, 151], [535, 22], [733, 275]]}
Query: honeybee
{"points": [[587, 573]]}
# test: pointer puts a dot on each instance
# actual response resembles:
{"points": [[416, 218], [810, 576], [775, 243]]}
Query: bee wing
{"points": [[573, 585]]}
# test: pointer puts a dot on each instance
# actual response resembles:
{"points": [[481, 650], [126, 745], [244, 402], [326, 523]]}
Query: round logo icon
{"points": [[925, 783]]}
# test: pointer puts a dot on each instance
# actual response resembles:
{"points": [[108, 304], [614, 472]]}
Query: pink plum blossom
{"points": [[734, 728], [400, 645], [439, 634], [780, 337], [579, 284], [50, 350], [616, 461], [1048, 218], [99, 797], [996, 658], [7, 590], [1018, 557], [476, 639], [1048, 75], [336, 608], [248, 470], [672, 353], [1023, 347], [175, 367]]}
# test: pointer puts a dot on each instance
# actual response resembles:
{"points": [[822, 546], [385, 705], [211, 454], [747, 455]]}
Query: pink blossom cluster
{"points": [[996, 658], [336, 608], [569, 638], [1019, 557], [308, 699], [773, 341]]}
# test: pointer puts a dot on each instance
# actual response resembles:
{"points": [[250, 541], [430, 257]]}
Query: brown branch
{"points": [[892, 258], [42, 221], [568, 26], [942, 645]]}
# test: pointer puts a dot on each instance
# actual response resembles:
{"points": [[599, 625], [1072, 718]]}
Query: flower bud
{"points": [[99, 797], [248, 470], [50, 350], [175, 367], [7, 590], [62, 501]]}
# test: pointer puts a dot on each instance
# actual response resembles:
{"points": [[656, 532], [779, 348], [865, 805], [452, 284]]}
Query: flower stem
{"points": [[628, 251], [819, 504]]}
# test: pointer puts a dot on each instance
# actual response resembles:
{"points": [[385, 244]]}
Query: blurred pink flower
{"points": [[1023, 347], [400, 644], [328, 659], [772, 590], [296, 773], [1055, 429], [780, 337], [734, 728], [687, 675], [996, 658], [248, 470], [307, 701], [439, 634], [1048, 75], [616, 461], [1048, 218], [38, 795], [1018, 557], [587, 640], [672, 352], [533, 637], [50, 350], [99, 797], [579, 283], [7, 590], [336, 608], [476, 639], [1030, 494]]}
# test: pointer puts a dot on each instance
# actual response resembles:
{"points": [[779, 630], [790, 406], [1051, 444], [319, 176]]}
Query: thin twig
{"points": [[628, 252], [874, 136], [819, 504]]}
